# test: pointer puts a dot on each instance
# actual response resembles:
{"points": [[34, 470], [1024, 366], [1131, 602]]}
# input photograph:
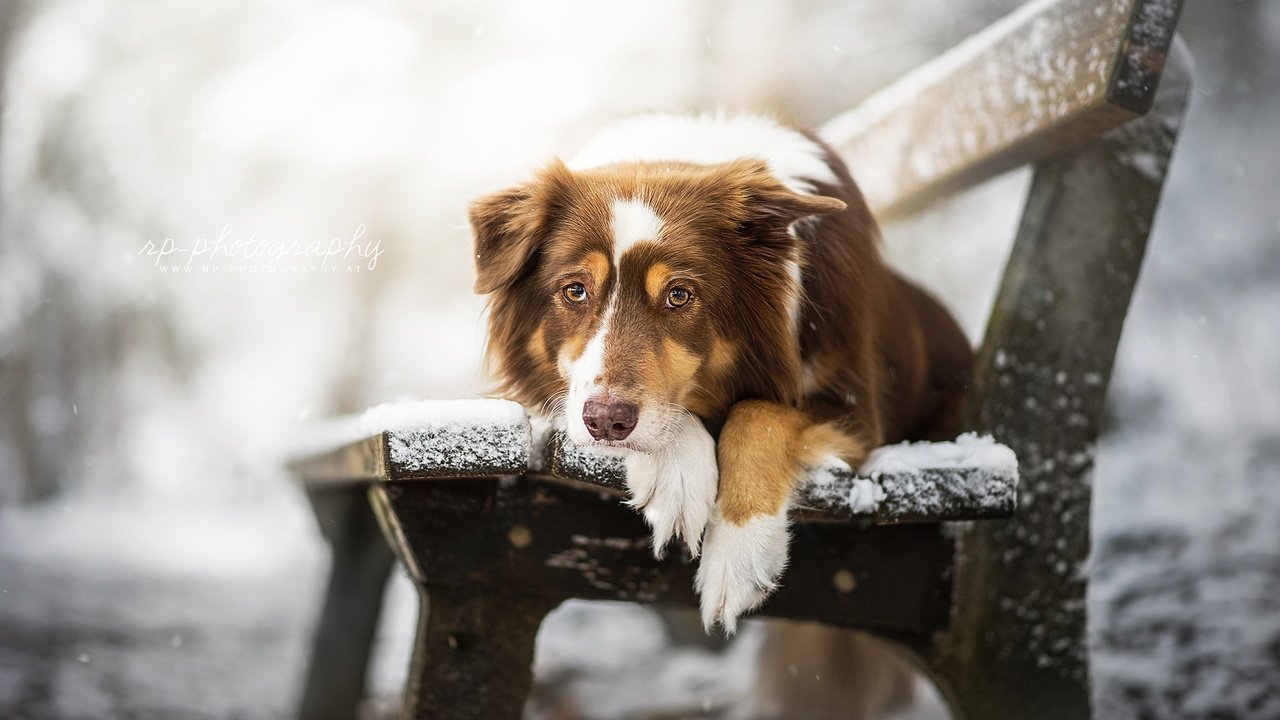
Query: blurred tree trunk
{"points": [[65, 412], [13, 481], [9, 13], [58, 347]]}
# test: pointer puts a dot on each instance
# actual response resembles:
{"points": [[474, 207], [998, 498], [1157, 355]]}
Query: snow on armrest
{"points": [[968, 479]]}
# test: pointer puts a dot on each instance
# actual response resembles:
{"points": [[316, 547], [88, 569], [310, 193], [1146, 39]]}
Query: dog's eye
{"points": [[575, 293], [678, 297]]}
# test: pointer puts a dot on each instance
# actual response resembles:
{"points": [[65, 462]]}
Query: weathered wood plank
{"points": [[423, 439], [1050, 75], [352, 462], [477, 450], [458, 451], [534, 538], [473, 656], [422, 453], [934, 495]]}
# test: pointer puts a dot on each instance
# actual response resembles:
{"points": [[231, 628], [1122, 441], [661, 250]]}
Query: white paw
{"points": [[675, 487], [740, 566]]}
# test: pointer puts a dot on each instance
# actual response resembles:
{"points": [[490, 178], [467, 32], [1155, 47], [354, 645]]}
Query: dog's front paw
{"points": [[740, 566], [675, 488]]}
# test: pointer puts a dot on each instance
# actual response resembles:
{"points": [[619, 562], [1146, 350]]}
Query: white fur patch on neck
{"points": [[632, 221]]}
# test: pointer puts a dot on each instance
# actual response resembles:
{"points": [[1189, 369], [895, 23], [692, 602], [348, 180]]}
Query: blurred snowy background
{"points": [[156, 562]]}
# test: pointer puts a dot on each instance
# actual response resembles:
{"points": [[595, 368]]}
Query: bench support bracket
{"points": [[473, 655]]}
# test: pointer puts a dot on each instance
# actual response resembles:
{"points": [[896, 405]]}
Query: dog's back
{"points": [[921, 365], [870, 327]]}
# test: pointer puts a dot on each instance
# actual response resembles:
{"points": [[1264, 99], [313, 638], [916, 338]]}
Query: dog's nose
{"points": [[611, 420]]}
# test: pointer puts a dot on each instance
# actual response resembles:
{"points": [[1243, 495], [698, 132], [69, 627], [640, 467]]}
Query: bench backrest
{"points": [[1046, 78]]}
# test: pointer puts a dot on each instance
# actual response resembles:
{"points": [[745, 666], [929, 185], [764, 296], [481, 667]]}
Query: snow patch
{"points": [[421, 414], [829, 484], [968, 451], [541, 428], [450, 437], [864, 496]]}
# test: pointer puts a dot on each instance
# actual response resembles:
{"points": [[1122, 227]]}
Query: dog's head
{"points": [[629, 294]]}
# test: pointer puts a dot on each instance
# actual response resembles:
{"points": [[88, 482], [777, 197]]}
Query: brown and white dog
{"points": [[686, 277]]}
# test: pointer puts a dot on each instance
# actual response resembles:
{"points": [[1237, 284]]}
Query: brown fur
{"points": [[723, 223], [760, 450], [876, 359], [883, 356]]}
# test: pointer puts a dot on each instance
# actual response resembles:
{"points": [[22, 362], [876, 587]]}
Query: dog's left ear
{"points": [[782, 204], [510, 227], [764, 201]]}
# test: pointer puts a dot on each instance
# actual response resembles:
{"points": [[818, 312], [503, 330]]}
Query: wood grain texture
{"points": [[525, 537], [360, 461], [1042, 80], [474, 654]]}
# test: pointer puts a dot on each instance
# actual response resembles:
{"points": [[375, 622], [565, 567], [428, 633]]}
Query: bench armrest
{"points": [[1046, 78]]}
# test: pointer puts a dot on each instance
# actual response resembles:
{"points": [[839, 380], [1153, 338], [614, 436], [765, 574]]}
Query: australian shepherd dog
{"points": [[706, 296]]}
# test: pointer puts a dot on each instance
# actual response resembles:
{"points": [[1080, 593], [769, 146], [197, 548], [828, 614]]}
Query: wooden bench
{"points": [[502, 528]]}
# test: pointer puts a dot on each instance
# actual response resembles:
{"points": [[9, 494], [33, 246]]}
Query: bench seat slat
{"points": [[902, 495], [479, 439]]}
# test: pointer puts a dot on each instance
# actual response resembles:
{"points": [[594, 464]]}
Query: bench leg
{"points": [[1018, 646], [362, 562], [473, 655]]}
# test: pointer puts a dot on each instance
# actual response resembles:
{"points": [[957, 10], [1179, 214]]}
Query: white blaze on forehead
{"points": [[632, 221], [584, 375], [583, 372]]}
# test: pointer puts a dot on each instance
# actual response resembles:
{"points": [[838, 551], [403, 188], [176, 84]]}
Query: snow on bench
{"points": [[971, 478]]}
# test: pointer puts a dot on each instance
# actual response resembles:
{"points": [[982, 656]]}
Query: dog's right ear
{"points": [[510, 226]]}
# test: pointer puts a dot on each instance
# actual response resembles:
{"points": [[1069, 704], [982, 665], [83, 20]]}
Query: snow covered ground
{"points": [[131, 610], [1185, 601], [183, 583]]}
